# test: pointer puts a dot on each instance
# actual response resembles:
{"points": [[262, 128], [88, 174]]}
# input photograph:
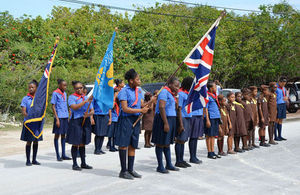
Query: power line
{"points": [[155, 13]]}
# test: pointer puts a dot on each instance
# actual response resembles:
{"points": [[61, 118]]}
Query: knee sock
{"points": [[101, 138], [182, 153], [63, 147], [191, 148], [74, 150], [158, 152], [275, 130], [56, 148], [82, 155], [177, 152], [109, 143], [34, 151], [122, 156], [27, 149], [279, 130], [97, 140], [219, 143], [130, 163], [167, 153]]}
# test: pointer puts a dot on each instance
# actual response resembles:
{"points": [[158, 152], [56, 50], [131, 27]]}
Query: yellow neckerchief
{"points": [[232, 107], [241, 105], [254, 100], [247, 102], [223, 111]]}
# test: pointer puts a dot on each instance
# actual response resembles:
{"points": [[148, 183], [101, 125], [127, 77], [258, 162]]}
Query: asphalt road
{"points": [[274, 170]]}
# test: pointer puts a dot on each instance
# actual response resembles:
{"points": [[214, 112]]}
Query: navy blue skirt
{"points": [[158, 135], [101, 125], [197, 127], [126, 135], [28, 137], [214, 127], [63, 128], [281, 111], [112, 129], [77, 134], [184, 136]]}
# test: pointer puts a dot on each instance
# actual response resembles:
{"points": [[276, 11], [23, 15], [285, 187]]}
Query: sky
{"points": [[18, 8]]}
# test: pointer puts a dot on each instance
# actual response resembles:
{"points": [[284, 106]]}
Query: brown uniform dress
{"points": [[272, 106], [147, 121], [232, 114], [255, 111], [263, 103], [240, 121], [225, 123], [248, 115]]}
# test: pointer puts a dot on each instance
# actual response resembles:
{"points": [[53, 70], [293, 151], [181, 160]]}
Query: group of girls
{"points": [[165, 122]]}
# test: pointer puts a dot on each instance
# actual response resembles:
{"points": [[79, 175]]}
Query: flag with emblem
{"points": [[200, 61], [38, 107], [103, 89]]}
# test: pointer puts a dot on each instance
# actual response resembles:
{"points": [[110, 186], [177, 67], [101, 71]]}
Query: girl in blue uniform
{"points": [[212, 119], [127, 136], [114, 123], [164, 125], [79, 135], [61, 115], [184, 130], [100, 122], [26, 135]]}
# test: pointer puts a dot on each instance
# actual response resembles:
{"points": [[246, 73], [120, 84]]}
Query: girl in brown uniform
{"points": [[255, 114], [225, 127], [272, 109], [232, 115], [263, 114], [147, 121], [240, 122], [248, 114]]}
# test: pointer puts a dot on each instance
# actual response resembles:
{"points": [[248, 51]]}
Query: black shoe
{"points": [[66, 158], [113, 150], [76, 168], [134, 174], [36, 163], [195, 161], [147, 146], [163, 171], [97, 152], [216, 155], [138, 148], [277, 139], [59, 159], [125, 175], [86, 166], [172, 168], [180, 165], [239, 150], [187, 164], [28, 164], [211, 157], [102, 152], [283, 139]]}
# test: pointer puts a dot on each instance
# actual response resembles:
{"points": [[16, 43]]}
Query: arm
{"points": [[109, 114], [205, 111], [162, 106], [90, 113], [180, 128], [24, 111], [132, 110], [56, 116], [78, 106]]}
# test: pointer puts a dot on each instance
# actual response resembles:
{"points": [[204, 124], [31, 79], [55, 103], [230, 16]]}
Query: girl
{"points": [[248, 114], [232, 115], [79, 134], [114, 124], [61, 115], [26, 135], [147, 121], [197, 131], [225, 127], [212, 120], [100, 124], [119, 84], [184, 129], [164, 126], [255, 113], [240, 123], [127, 136], [272, 110], [263, 114]]}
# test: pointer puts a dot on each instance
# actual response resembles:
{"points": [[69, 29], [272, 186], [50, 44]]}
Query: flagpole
{"points": [[223, 13]]}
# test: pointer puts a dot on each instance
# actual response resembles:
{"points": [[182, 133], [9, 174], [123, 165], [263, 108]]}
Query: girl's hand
{"points": [[180, 129], [86, 114], [145, 110], [208, 125], [230, 126], [109, 122], [166, 128], [57, 123], [92, 121]]}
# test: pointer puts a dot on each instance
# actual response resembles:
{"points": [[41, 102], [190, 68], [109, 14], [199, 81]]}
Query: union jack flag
{"points": [[200, 61]]}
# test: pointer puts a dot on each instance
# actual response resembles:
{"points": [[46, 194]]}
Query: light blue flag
{"points": [[103, 89]]}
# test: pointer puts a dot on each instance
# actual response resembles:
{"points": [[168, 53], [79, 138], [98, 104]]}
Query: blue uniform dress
{"points": [[158, 135], [61, 107], [114, 124], [126, 134], [186, 118], [77, 134], [281, 104], [26, 135], [197, 127], [214, 117], [101, 121]]}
